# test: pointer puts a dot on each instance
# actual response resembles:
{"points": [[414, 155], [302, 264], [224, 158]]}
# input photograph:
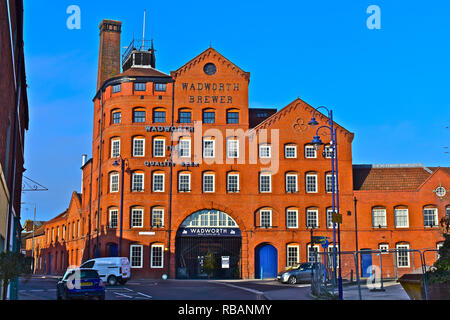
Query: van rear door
{"points": [[126, 272]]}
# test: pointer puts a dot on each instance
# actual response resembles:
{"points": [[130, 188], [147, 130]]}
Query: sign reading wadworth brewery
{"points": [[209, 232], [210, 93]]}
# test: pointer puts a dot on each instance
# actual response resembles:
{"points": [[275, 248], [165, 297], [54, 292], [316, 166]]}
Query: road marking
{"points": [[259, 293], [150, 297], [123, 295]]}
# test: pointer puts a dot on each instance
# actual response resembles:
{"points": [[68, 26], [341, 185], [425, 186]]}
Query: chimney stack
{"points": [[109, 53], [83, 162]]}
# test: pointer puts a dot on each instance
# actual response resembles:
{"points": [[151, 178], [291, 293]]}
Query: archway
{"points": [[266, 261], [208, 246]]}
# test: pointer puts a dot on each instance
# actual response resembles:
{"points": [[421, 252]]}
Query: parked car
{"points": [[111, 270], [296, 274], [80, 284]]}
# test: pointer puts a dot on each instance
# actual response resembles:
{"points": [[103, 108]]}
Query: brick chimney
{"points": [[109, 53]]}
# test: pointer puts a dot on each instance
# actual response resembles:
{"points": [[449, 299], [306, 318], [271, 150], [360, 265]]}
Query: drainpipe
{"points": [[171, 180]]}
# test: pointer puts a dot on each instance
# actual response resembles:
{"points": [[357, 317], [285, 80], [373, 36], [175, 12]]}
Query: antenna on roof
{"points": [[143, 33]]}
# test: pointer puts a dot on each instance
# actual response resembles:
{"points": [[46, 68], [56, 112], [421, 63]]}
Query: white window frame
{"points": [[406, 246], [113, 141], [261, 176], [143, 147], [396, 212], [133, 182], [262, 152], [316, 211], [384, 247], [162, 256], [155, 211], [307, 148], [330, 222], [265, 211], [295, 212], [290, 175], [111, 183], [308, 252], [237, 182], [110, 218], [187, 149], [209, 175], [330, 255], [180, 189], [329, 183], [133, 210], [328, 152], [213, 149], [436, 216], [288, 255], [141, 264], [155, 155], [229, 149], [307, 184], [163, 182], [384, 225], [286, 151]]}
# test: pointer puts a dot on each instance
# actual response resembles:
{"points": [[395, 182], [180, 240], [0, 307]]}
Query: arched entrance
{"points": [[208, 246], [266, 261], [112, 249]]}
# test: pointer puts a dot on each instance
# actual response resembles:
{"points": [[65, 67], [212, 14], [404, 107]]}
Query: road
{"points": [[44, 288]]}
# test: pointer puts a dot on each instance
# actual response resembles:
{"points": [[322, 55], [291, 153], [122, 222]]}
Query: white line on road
{"points": [[242, 288], [150, 297], [123, 295]]}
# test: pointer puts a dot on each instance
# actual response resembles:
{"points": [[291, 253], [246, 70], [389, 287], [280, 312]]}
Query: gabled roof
{"points": [[390, 178], [142, 72], [204, 55]]}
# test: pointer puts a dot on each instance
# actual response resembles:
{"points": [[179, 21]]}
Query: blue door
{"points": [[113, 250], [366, 264], [266, 262]]}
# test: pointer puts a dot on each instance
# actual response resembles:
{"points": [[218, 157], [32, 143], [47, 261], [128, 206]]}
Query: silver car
{"points": [[296, 274]]}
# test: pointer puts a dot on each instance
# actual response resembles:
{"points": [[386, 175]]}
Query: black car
{"points": [[80, 284]]}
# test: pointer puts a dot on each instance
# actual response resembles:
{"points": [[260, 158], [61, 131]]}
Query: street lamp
{"points": [[317, 142], [121, 162], [32, 239]]}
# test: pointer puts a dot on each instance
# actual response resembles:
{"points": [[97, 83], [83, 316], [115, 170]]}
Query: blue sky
{"points": [[390, 86]]}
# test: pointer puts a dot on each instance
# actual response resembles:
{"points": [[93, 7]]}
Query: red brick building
{"points": [[204, 173]]}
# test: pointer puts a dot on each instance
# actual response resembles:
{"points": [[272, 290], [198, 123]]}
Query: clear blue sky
{"points": [[390, 86]]}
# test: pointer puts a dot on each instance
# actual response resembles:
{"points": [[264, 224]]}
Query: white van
{"points": [[111, 270]]}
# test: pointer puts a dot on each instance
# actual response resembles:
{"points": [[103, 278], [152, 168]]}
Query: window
{"points": [[330, 223], [430, 217], [329, 183], [379, 218], [266, 219], [158, 182], [208, 183], [184, 148], [140, 86], [116, 117], [161, 87], [310, 152], [139, 116], [403, 256], [290, 152], [232, 117], [115, 148], [265, 183], [113, 218], [384, 248], [447, 212], [265, 151], [311, 183], [157, 218], [137, 182], [159, 117], [293, 255], [117, 88], [157, 256], [138, 147], [137, 218], [209, 117], [328, 152], [312, 218], [401, 218], [136, 256], [114, 183], [291, 183], [208, 148], [233, 182], [292, 219], [159, 148], [333, 252], [232, 148], [185, 117], [313, 254], [184, 182]]}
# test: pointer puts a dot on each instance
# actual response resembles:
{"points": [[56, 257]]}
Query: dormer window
{"points": [[161, 87], [117, 88], [140, 86]]}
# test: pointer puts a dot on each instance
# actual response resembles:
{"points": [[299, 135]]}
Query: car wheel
{"points": [[292, 280], [112, 280]]}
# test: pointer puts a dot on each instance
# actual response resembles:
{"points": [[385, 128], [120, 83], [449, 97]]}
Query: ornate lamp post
{"points": [[121, 162], [337, 217]]}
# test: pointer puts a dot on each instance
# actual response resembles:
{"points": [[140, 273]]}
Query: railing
{"points": [[141, 45]]}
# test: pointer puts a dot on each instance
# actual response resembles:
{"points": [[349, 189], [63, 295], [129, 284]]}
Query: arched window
{"points": [[290, 151], [292, 218], [209, 218], [401, 215], [233, 116], [209, 116], [311, 183], [138, 147], [209, 182], [233, 182], [184, 181], [137, 217], [139, 115], [159, 115], [114, 179], [312, 218], [159, 147], [379, 217], [116, 116], [291, 182], [430, 216], [185, 116], [113, 217], [157, 217], [137, 181]]}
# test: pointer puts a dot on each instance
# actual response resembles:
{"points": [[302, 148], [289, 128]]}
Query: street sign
{"points": [[337, 218], [319, 240]]}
